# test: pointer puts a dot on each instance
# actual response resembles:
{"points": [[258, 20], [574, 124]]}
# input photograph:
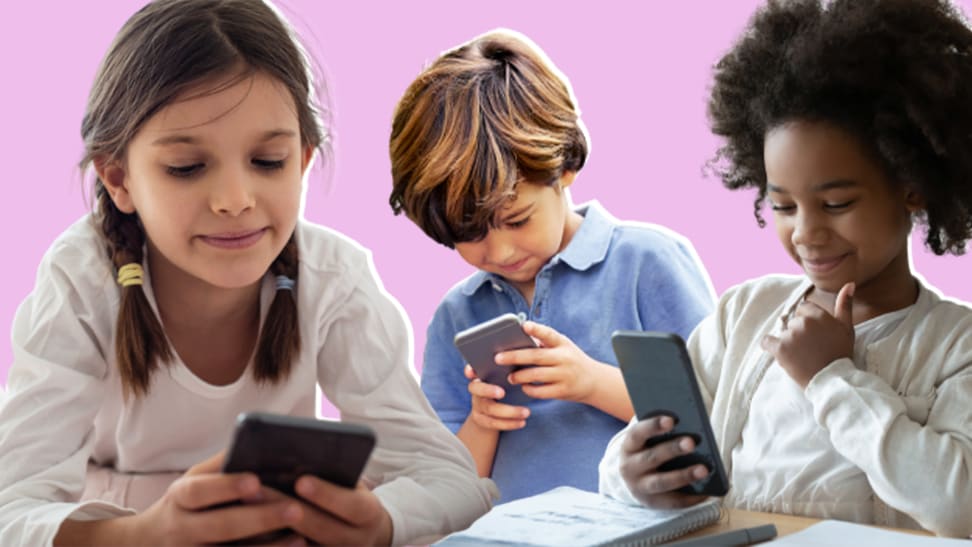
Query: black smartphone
{"points": [[658, 373], [480, 344], [280, 449]]}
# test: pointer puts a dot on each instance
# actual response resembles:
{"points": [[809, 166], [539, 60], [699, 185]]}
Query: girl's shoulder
{"points": [[763, 295], [325, 251], [80, 252]]}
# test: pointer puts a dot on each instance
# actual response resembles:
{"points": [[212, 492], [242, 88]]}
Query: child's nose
{"points": [[809, 229], [499, 249], [231, 194]]}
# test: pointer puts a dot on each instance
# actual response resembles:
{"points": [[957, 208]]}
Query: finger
{"points": [[469, 372], [641, 431], [478, 388], [650, 459], [808, 309], [668, 481], [200, 491], [770, 344], [545, 391], [527, 356], [498, 424], [495, 409], [352, 505], [547, 336], [213, 464], [242, 521], [844, 307], [531, 375]]}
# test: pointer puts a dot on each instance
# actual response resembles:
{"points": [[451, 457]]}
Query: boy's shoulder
{"points": [[629, 238]]}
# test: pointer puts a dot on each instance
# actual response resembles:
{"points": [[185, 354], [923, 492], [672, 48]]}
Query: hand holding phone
{"points": [[279, 449], [660, 379], [480, 344]]}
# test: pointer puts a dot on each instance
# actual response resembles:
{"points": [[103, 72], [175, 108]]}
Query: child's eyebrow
{"points": [[190, 139], [518, 212], [822, 187]]}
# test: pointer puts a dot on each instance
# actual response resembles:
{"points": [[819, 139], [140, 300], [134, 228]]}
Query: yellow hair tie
{"points": [[130, 274]]}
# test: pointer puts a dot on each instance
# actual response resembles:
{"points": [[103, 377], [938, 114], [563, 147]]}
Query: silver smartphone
{"points": [[480, 344]]}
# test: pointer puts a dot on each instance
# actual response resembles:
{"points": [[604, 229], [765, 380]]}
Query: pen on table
{"points": [[742, 536]]}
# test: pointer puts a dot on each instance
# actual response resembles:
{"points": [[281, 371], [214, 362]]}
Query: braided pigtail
{"points": [[280, 338], [140, 341]]}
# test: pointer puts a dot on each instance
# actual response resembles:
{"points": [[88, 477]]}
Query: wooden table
{"points": [[733, 519]]}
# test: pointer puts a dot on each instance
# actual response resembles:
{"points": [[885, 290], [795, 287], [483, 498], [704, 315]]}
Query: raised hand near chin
{"points": [[813, 338]]}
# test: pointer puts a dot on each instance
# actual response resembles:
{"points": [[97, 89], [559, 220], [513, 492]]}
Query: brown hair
{"points": [[483, 117], [164, 49]]}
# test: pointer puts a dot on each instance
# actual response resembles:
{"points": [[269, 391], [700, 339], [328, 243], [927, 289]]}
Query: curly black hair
{"points": [[897, 74]]}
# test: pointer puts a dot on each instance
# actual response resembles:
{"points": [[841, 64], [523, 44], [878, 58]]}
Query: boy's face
{"points": [[837, 213], [216, 181], [530, 231]]}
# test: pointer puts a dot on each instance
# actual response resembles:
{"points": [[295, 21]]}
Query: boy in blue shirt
{"points": [[484, 145]]}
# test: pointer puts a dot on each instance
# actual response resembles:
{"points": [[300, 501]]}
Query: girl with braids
{"points": [[843, 393], [194, 292]]}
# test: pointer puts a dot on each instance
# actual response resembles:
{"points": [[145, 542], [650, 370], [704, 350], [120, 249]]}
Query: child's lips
{"points": [[821, 265], [234, 240], [513, 267]]}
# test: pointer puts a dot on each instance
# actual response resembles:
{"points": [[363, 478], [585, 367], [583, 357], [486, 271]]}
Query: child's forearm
{"points": [[610, 394], [113, 531], [481, 443]]}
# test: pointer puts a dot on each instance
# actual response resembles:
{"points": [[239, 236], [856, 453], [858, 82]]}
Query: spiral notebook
{"points": [[568, 516]]}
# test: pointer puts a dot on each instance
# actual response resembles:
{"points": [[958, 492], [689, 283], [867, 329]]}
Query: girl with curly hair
{"points": [[843, 393]]}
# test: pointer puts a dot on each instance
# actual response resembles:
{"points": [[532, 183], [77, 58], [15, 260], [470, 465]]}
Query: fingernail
{"points": [[685, 444], [666, 422], [291, 512], [248, 485], [500, 358], [305, 487], [700, 472]]}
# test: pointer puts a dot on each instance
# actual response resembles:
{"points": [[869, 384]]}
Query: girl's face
{"points": [[215, 178], [531, 230], [837, 213]]}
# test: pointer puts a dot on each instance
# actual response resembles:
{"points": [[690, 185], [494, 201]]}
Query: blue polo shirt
{"points": [[611, 276]]}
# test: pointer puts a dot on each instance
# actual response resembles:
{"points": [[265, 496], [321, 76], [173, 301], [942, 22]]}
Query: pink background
{"points": [[640, 71]]}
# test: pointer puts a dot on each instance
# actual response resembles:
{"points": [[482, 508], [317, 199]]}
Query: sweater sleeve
{"points": [[922, 467], [426, 478], [55, 388]]}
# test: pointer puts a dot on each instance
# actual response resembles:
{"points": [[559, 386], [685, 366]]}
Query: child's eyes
{"points": [[837, 206], [828, 206], [268, 165], [187, 171], [184, 171], [518, 223]]}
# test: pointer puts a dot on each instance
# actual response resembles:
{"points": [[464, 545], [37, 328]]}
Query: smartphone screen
{"points": [[658, 373], [480, 344], [280, 449]]}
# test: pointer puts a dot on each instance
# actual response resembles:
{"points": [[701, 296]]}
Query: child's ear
{"points": [[914, 201], [113, 176], [307, 154], [567, 178]]}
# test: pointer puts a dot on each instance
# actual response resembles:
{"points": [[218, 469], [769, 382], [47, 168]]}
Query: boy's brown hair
{"points": [[483, 117]]}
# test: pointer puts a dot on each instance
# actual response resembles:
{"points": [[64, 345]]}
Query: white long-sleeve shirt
{"points": [[903, 416], [64, 414]]}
